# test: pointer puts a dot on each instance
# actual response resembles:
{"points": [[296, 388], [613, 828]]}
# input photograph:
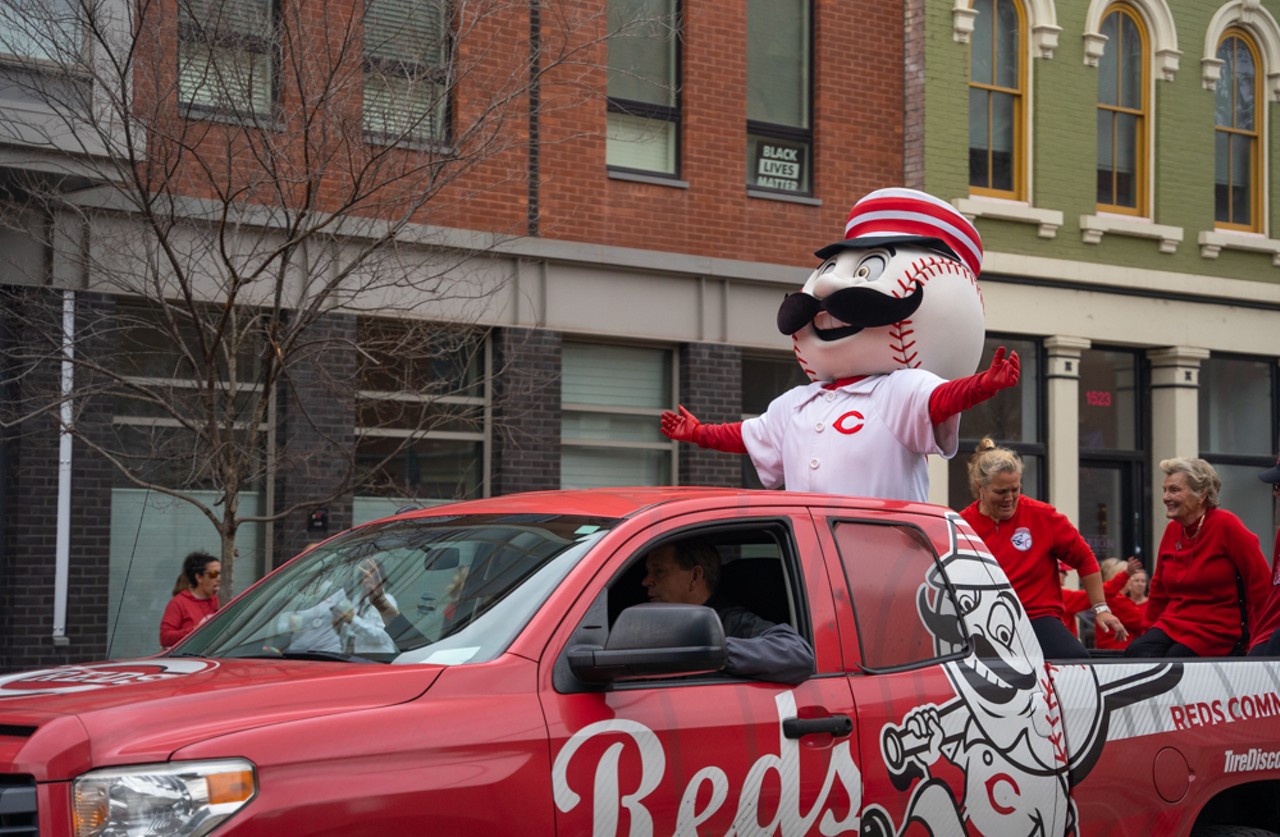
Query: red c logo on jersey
{"points": [[852, 416]]}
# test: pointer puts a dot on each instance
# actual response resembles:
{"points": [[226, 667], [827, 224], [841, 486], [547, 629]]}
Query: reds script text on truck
{"points": [[493, 667]]}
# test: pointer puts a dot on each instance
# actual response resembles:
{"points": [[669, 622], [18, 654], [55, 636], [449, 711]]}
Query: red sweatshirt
{"points": [[1194, 596], [1269, 618], [181, 616], [1077, 601], [1029, 546], [1131, 614]]}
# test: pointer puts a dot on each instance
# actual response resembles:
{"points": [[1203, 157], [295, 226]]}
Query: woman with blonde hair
{"points": [[1210, 579], [1028, 538]]}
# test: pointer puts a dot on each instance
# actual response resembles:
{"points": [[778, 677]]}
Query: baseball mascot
{"points": [[889, 329]]}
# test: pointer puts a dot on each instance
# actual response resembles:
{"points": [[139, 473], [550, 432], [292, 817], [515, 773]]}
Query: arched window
{"points": [[996, 99], [1237, 169], [1122, 114]]}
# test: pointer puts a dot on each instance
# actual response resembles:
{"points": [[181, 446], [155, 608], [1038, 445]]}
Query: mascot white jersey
{"points": [[889, 329]]}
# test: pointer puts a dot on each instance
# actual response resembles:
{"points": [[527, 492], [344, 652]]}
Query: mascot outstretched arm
{"points": [[889, 329]]}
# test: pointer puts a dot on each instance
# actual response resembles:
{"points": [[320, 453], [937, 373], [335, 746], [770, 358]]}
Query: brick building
{"points": [[634, 210]]}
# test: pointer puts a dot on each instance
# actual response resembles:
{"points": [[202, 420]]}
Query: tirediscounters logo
{"points": [[1252, 760], [66, 680]]}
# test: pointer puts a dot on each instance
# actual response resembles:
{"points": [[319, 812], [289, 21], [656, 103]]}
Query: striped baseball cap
{"points": [[900, 216]]}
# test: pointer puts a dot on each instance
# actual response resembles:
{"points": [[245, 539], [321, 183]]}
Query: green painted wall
{"points": [[1064, 93]]}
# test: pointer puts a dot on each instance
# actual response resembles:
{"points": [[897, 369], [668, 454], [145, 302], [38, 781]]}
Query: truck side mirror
{"points": [[652, 640]]}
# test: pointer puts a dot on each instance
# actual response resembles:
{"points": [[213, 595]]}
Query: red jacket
{"points": [[1269, 617], [181, 616], [1029, 546], [1194, 593]]}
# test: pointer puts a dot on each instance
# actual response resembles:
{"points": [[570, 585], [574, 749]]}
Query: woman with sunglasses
{"points": [[195, 597]]}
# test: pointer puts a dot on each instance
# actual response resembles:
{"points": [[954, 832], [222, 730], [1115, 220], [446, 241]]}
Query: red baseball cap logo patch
{"points": [[895, 216]]}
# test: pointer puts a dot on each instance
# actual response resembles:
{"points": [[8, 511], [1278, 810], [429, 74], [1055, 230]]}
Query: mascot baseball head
{"points": [[899, 292]]}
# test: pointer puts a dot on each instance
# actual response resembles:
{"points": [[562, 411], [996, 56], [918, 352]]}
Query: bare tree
{"points": [[240, 175]]}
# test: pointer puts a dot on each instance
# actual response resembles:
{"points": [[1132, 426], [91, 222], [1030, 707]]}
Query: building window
{"points": [[1238, 420], [644, 109], [779, 96], [161, 436], [422, 413], [764, 379], [612, 398], [406, 55], [226, 56], [42, 30], [1012, 418], [1236, 183], [1122, 115], [996, 99]]}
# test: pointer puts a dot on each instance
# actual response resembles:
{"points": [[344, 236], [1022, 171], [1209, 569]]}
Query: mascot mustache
{"points": [[859, 307]]}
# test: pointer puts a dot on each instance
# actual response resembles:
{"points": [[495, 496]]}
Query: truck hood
{"points": [[141, 711]]}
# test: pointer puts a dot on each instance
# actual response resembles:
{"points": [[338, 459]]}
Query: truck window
{"points": [[889, 567], [757, 572], [446, 590]]}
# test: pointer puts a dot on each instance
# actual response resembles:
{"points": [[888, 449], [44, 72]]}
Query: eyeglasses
{"points": [[212, 574]]}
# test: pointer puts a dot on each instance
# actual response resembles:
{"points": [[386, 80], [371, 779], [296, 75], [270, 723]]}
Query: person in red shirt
{"points": [[1125, 583], [1266, 638], [1075, 601], [1028, 538], [1210, 581], [191, 606]]}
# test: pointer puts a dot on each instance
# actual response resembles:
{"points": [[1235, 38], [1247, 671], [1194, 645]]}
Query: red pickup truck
{"points": [[512, 680]]}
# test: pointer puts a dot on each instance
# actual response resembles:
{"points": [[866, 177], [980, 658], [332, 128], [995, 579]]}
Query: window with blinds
{"points": [[611, 401], [42, 30], [422, 415], [226, 56], [406, 55], [643, 132], [779, 96]]}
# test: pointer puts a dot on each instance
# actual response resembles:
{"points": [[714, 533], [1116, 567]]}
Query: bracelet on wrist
{"points": [[1101, 607]]}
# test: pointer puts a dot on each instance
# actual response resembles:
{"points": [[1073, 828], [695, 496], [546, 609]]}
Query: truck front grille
{"points": [[18, 807]]}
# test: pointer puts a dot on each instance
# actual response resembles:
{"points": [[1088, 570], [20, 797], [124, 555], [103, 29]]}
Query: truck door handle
{"points": [[838, 725]]}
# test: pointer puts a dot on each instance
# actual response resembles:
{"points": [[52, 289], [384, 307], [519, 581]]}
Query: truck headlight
{"points": [[183, 799]]}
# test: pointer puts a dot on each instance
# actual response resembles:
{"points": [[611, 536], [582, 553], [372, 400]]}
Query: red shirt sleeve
{"points": [[1115, 585], [1070, 546], [1074, 601], [172, 623]]}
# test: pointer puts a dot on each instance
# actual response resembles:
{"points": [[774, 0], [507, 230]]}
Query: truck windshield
{"points": [[444, 590]]}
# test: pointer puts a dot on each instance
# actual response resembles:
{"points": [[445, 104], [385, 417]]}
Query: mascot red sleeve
{"points": [[889, 329]]}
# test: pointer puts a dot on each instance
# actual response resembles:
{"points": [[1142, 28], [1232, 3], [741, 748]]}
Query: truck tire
{"points": [[1231, 831]]}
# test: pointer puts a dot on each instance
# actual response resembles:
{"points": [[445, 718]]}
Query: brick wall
{"points": [[711, 389], [857, 130], [28, 553], [316, 434], [526, 411]]}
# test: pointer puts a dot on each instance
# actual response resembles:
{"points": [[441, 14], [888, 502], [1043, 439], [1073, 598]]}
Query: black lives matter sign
{"points": [[780, 166]]}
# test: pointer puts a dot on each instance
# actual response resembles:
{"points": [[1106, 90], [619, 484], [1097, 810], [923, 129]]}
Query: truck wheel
{"points": [[1231, 831]]}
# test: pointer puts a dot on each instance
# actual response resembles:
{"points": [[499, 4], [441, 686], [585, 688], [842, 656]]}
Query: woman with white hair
{"points": [[1210, 580]]}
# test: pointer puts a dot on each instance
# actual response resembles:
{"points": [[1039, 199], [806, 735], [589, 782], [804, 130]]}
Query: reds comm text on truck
{"points": [[507, 696]]}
